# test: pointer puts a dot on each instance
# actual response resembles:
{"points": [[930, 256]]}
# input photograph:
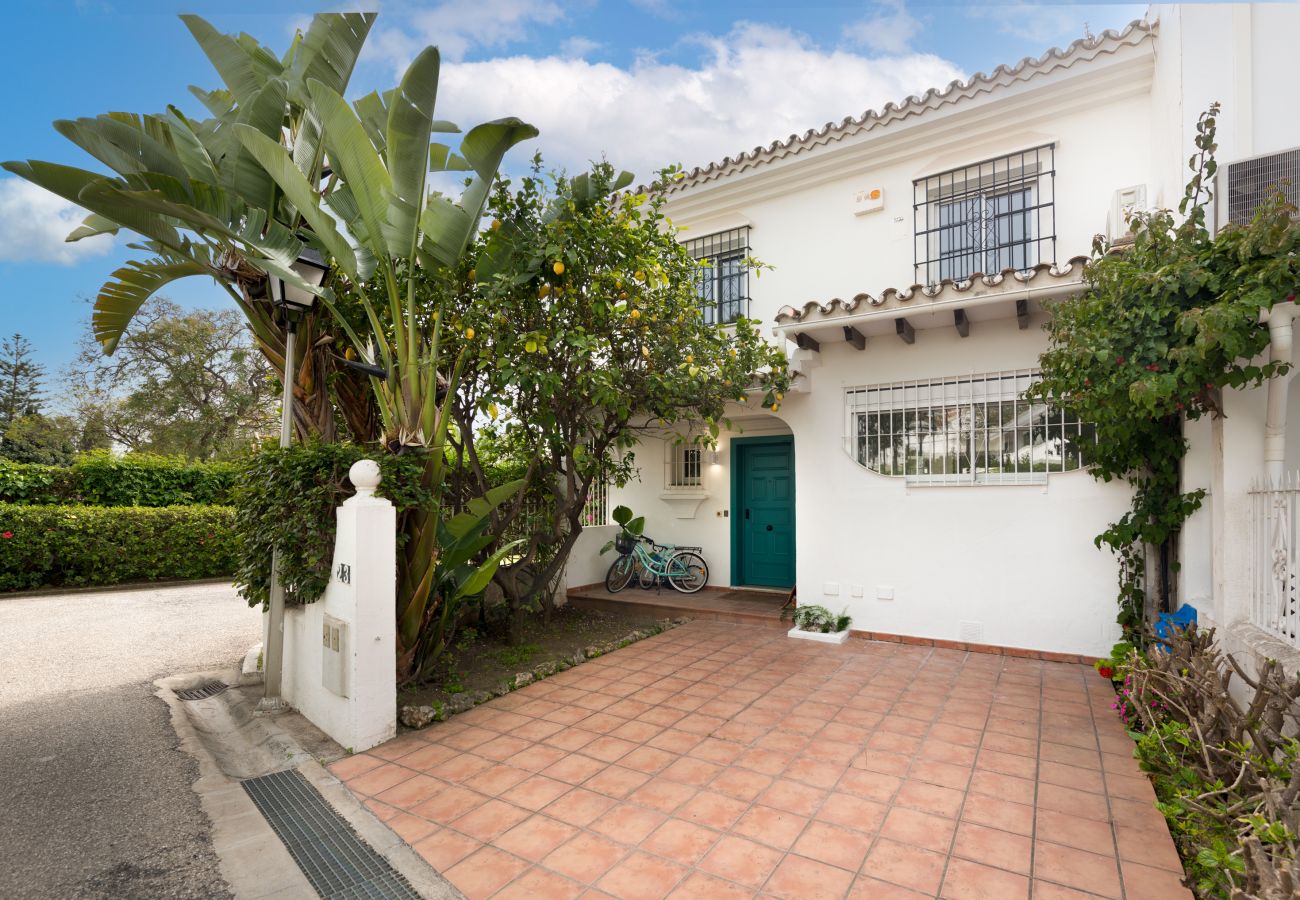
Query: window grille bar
{"points": [[1275, 601], [685, 467], [723, 278], [993, 215], [964, 429]]}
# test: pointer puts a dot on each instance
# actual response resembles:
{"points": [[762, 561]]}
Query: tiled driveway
{"points": [[732, 761]]}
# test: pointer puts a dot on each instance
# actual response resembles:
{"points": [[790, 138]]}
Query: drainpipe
{"points": [[1281, 319]]}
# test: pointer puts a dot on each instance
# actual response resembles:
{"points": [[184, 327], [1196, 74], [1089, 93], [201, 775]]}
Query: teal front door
{"points": [[763, 504]]}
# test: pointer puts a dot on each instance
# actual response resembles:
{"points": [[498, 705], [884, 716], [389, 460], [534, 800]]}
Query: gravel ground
{"points": [[96, 795]]}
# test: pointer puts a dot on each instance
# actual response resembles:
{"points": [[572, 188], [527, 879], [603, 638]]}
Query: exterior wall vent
{"points": [[1241, 186], [1123, 204]]}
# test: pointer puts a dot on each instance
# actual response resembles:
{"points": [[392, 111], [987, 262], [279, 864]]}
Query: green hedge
{"points": [[136, 479], [51, 546]]}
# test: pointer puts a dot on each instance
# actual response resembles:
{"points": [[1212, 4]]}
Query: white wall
{"points": [[586, 564]]}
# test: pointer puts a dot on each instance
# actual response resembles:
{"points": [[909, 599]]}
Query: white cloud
{"points": [[457, 26], [752, 86], [889, 29], [1053, 24], [579, 46], [34, 223]]}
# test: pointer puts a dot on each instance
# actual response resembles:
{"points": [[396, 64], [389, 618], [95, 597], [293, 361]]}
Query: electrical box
{"points": [[1124, 203], [334, 654], [884, 592], [831, 589]]}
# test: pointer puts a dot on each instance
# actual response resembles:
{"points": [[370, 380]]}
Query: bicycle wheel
{"points": [[646, 580], [620, 573], [693, 574]]}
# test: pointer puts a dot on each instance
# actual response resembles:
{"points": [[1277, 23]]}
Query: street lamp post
{"points": [[292, 302]]}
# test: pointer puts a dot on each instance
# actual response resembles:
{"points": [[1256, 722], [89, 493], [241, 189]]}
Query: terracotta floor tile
{"points": [[905, 865], [536, 791], [484, 872], [700, 886], [1073, 777], [574, 768], [943, 774], [993, 847], [853, 812], [774, 827], [871, 785], [637, 732], [411, 828], [743, 784], [445, 847], [379, 779], [640, 876], [1007, 763], [867, 888], [1004, 787], [648, 759], [570, 739], [449, 804], [460, 768], [535, 837], [967, 880], [673, 740], [1077, 803], [717, 751], [467, 738], [662, 794], [627, 823], [798, 878], [886, 762], [501, 747], [412, 792], [536, 730], [537, 757], [910, 826], [428, 756], [579, 807], [608, 749], [834, 844], [616, 781], [585, 857], [791, 796], [1072, 756], [996, 813], [1148, 883], [682, 842], [930, 798], [817, 773], [352, 766], [740, 860], [712, 810], [1046, 890], [490, 820], [539, 882], [696, 772], [767, 762], [1077, 868], [497, 780], [1075, 831]]}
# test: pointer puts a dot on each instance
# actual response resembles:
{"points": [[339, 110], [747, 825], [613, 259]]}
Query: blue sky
{"points": [[644, 82]]}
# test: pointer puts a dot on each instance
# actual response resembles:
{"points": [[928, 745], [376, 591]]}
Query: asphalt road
{"points": [[95, 797]]}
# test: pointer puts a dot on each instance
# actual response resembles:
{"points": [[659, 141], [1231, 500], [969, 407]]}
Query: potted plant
{"points": [[817, 623], [629, 529]]}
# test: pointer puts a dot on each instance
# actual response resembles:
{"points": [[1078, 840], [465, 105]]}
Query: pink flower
{"points": [[7, 535]]}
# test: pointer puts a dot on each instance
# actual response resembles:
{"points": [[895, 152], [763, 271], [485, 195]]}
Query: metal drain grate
{"points": [[339, 865], [211, 689]]}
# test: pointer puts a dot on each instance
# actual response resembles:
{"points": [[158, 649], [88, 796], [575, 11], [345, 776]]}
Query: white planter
{"points": [[835, 637]]}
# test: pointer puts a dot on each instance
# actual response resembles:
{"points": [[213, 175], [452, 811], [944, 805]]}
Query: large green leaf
{"points": [[487, 144], [328, 53], [410, 125], [241, 172], [120, 299], [190, 151], [274, 158], [124, 148], [477, 583], [352, 154], [478, 509], [243, 70]]}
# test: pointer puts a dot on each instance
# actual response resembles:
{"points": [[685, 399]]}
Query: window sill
{"points": [[685, 502], [1025, 479]]}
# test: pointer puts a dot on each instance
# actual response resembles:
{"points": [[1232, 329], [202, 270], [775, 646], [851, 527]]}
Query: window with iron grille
{"points": [[981, 219], [685, 467], [723, 278], [964, 429]]}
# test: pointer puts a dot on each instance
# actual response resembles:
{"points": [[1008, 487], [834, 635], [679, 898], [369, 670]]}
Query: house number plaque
{"points": [[344, 573]]}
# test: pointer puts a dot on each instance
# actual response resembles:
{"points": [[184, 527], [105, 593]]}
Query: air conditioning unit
{"points": [[1240, 187], [1123, 204]]}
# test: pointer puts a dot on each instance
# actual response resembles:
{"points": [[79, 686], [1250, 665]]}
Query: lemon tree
{"points": [[582, 330]]}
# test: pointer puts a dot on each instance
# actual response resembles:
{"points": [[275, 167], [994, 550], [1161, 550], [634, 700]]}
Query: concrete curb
{"points": [[252, 859], [111, 588]]}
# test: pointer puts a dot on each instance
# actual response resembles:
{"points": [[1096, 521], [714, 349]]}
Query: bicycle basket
{"points": [[623, 543]]}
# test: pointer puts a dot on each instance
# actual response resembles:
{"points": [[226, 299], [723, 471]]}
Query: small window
{"points": [[685, 467], [965, 429], [985, 218], [722, 280]]}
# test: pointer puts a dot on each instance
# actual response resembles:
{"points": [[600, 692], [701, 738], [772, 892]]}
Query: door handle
{"points": [[769, 528], [746, 514]]}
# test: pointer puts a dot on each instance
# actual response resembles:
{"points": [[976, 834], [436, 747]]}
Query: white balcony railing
{"points": [[1275, 607]]}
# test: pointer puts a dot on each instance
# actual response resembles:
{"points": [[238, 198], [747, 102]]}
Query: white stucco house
{"points": [[904, 478]]}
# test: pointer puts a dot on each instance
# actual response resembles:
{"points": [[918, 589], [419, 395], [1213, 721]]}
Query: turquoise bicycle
{"points": [[653, 564]]}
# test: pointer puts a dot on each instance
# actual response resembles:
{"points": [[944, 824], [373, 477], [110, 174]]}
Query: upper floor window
{"points": [[981, 219], [964, 429], [723, 278]]}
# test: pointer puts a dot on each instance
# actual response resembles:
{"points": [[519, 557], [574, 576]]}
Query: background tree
{"points": [[581, 330], [1163, 325], [20, 380], [183, 383]]}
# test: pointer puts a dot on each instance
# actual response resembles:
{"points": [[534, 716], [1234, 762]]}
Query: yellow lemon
{"points": [[732, 353], [558, 268], [531, 346], [496, 223], [775, 407], [622, 295], [543, 290], [780, 396], [636, 314], [690, 357], [349, 353], [472, 274], [639, 275], [645, 351], [492, 410], [469, 334]]}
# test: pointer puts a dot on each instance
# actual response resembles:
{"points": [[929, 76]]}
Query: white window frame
{"points": [[979, 428], [683, 467]]}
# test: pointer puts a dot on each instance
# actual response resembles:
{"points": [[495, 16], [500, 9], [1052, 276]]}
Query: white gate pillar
{"points": [[341, 651]]}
